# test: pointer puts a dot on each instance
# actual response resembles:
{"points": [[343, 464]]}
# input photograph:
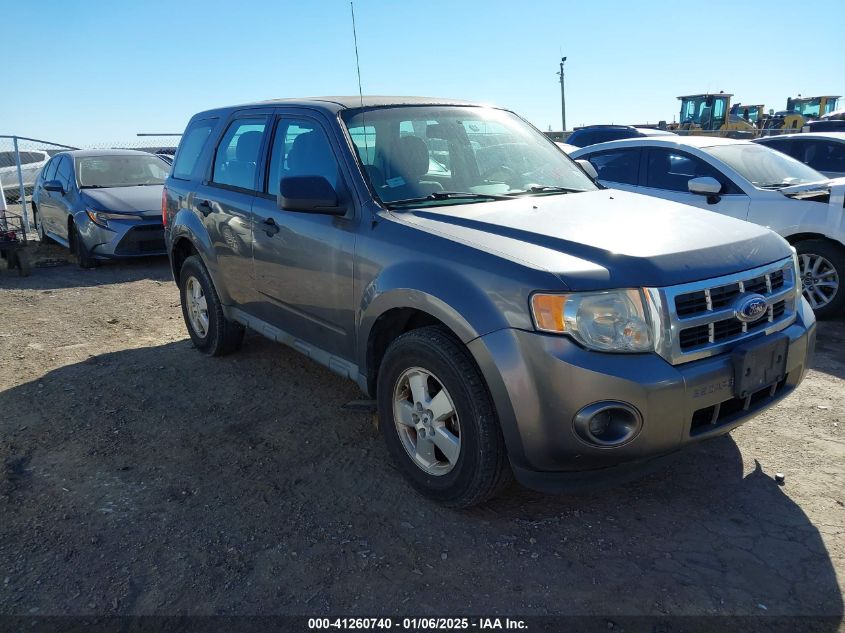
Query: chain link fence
{"points": [[22, 158]]}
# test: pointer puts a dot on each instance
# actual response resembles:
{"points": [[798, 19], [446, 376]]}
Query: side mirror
{"points": [[54, 185], [705, 186], [308, 194], [587, 166]]}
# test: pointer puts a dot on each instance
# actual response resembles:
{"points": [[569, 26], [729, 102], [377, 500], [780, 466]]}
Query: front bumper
{"points": [[122, 238], [539, 382]]}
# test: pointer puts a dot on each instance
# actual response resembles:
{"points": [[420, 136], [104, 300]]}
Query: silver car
{"points": [[101, 204]]}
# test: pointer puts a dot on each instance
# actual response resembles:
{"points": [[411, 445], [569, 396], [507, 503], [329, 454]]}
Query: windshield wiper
{"points": [[548, 189], [448, 195], [94, 187]]}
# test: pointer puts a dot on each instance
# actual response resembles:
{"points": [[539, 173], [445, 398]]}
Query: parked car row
{"points": [[101, 204], [509, 315], [745, 180]]}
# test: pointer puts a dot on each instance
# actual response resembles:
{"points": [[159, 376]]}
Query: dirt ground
{"points": [[139, 477]]}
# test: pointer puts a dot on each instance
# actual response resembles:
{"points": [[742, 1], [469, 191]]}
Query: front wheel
{"points": [[80, 249], [211, 332], [822, 267], [438, 419]]}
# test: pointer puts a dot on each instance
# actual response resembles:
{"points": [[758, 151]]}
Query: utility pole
{"points": [[562, 97]]}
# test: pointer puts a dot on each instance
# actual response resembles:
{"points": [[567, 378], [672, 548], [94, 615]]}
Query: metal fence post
{"points": [[24, 214], [2, 207]]}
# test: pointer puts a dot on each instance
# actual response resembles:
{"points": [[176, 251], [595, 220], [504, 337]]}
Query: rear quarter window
{"points": [[191, 147]]}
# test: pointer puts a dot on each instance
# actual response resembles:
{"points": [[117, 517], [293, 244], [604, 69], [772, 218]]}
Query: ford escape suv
{"points": [[509, 315]]}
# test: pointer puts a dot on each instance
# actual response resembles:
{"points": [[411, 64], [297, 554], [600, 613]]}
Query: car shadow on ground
{"points": [[53, 267], [830, 348], [156, 480]]}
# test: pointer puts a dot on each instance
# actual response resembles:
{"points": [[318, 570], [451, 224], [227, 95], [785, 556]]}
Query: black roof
{"points": [[604, 126], [335, 104], [104, 152]]}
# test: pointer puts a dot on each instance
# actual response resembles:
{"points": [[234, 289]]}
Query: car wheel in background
{"points": [[78, 248], [211, 332], [822, 266], [438, 419]]}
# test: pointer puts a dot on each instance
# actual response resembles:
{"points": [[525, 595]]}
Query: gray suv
{"points": [[509, 315]]}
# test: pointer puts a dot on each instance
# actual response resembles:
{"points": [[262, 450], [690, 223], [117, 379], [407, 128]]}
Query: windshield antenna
{"points": [[360, 91]]}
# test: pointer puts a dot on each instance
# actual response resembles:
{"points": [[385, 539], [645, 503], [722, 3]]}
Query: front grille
{"points": [[702, 315], [717, 415], [727, 328], [141, 240]]}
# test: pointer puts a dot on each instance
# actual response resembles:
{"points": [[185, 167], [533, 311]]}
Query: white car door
{"points": [[667, 172]]}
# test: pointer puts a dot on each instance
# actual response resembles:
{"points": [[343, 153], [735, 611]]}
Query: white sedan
{"points": [[747, 181], [823, 151]]}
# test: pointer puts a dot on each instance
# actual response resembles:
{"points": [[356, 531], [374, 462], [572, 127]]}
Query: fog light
{"points": [[608, 424]]}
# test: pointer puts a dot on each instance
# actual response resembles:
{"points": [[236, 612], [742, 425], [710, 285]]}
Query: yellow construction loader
{"points": [[754, 114], [710, 114], [800, 110]]}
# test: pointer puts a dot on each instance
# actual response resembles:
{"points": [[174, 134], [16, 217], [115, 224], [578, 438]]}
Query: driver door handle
{"points": [[270, 227]]}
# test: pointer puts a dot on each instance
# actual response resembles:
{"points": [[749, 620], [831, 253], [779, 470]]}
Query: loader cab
{"points": [[751, 113], [705, 111], [812, 107]]}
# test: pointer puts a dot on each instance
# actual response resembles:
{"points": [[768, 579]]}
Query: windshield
{"points": [[120, 170], [438, 155], [705, 111], [763, 166], [807, 107]]}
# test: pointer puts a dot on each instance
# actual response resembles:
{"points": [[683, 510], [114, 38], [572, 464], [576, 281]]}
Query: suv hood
{"points": [[144, 201], [607, 238]]}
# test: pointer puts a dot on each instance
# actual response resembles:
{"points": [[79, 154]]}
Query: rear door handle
{"points": [[204, 207], [270, 227]]}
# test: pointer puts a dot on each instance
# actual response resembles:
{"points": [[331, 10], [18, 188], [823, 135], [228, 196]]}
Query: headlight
{"points": [[607, 321], [102, 218]]}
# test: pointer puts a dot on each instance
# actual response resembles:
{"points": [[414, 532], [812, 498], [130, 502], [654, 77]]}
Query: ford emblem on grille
{"points": [[751, 308]]}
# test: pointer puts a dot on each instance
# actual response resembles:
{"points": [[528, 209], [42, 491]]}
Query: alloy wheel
{"points": [[197, 306], [819, 278], [426, 420]]}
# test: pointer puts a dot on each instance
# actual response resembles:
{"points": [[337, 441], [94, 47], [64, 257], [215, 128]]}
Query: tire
{"points": [[78, 248], [822, 264], [220, 336], [42, 236], [479, 467]]}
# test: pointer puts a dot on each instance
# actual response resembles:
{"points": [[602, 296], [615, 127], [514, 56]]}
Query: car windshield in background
{"points": [[764, 167], [437, 155], [96, 172]]}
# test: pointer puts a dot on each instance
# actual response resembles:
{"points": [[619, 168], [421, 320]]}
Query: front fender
{"points": [[445, 293]]}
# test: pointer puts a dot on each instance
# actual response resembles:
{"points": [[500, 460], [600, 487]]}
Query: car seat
{"points": [[408, 163], [241, 171]]}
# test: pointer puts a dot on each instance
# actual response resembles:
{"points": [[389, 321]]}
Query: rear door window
{"points": [[782, 145], [618, 165], [190, 148], [238, 154], [825, 156]]}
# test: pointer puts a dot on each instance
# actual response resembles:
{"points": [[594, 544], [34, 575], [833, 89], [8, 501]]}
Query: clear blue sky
{"points": [[94, 71]]}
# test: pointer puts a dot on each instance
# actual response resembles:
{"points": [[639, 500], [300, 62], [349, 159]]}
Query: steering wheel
{"points": [[502, 173]]}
